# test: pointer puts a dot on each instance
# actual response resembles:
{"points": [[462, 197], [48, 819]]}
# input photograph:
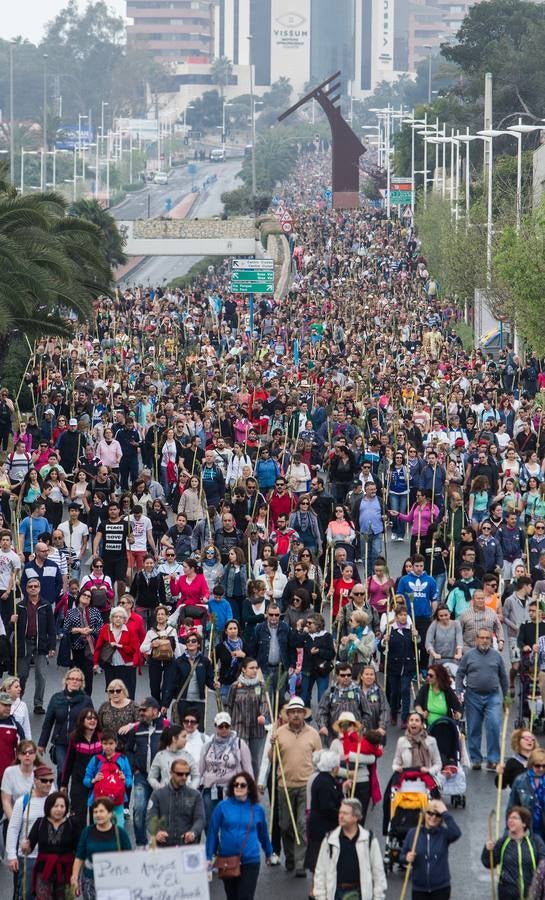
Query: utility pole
{"points": [[11, 118], [44, 128]]}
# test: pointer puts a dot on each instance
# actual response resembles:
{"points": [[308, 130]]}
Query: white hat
{"points": [[73, 422], [326, 760], [222, 718], [295, 703]]}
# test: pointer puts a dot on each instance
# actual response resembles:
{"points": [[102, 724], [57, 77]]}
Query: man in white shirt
{"points": [[76, 537], [141, 532], [10, 565]]}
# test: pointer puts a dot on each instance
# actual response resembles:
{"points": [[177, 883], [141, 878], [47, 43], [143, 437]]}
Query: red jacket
{"points": [[280, 505], [130, 647], [10, 735]]}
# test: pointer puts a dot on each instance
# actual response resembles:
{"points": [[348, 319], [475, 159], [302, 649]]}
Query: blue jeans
{"points": [[307, 684], [398, 502], [141, 793], [487, 709], [375, 547], [440, 581], [399, 690], [60, 755]]}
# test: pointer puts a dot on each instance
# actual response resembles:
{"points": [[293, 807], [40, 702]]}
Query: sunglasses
{"points": [[240, 784], [437, 815], [223, 725], [358, 593], [273, 615], [190, 721], [46, 780], [98, 566], [115, 690], [28, 752], [181, 774]]}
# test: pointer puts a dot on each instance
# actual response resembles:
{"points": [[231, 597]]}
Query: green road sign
{"points": [[252, 276], [400, 197]]}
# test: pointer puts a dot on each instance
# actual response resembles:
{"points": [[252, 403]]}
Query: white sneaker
{"points": [[275, 860]]}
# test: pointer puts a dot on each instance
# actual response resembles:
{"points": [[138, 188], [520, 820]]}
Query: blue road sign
{"points": [[327, 194], [168, 204]]}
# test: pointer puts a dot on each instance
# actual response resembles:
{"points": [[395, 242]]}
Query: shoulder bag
{"points": [[229, 866]]}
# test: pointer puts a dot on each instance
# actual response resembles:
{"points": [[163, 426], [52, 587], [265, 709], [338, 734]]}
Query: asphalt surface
{"points": [[470, 880], [159, 269]]}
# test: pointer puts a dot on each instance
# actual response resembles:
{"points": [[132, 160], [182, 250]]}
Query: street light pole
{"points": [[102, 105], [11, 118], [429, 48], [44, 127], [252, 101]]}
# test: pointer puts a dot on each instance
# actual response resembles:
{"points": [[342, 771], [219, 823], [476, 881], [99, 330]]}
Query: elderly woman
{"points": [[82, 625], [118, 713], [19, 710], [416, 749], [117, 650], [324, 794], [62, 714], [528, 790], [56, 834]]}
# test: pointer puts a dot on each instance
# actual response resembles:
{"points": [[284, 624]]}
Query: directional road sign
{"points": [[398, 198], [252, 276]]}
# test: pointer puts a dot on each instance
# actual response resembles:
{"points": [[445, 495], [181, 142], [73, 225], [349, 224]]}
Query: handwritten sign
{"points": [[168, 873]]}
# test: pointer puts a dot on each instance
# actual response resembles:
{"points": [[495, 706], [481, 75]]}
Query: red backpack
{"points": [[112, 784]]}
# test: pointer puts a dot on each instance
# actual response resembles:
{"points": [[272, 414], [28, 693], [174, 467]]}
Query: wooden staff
{"points": [[356, 767], [408, 870], [506, 705], [416, 653], [331, 589], [536, 661], [491, 855], [27, 829], [388, 630], [419, 509], [273, 761], [249, 559], [14, 591], [277, 753]]}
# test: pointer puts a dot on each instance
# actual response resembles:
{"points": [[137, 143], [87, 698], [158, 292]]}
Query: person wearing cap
{"points": [[36, 637], [343, 695], [27, 809], [70, 444], [350, 860], [295, 741], [459, 598], [11, 732], [223, 756], [141, 745]]}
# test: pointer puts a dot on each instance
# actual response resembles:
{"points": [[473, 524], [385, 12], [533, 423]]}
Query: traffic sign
{"points": [[168, 204], [398, 198], [286, 217], [275, 200], [287, 227], [252, 276], [327, 194]]}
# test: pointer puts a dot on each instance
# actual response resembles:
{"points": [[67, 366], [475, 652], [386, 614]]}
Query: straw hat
{"points": [[347, 716], [295, 703]]}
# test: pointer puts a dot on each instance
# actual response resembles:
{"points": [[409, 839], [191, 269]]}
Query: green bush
{"points": [[132, 186], [196, 269]]}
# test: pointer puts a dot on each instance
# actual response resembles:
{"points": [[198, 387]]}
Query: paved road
{"points": [[471, 880], [159, 269]]}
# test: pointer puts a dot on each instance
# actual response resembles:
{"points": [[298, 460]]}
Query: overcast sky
{"points": [[28, 17]]}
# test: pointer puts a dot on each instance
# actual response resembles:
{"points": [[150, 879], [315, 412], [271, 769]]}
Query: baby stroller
{"points": [[410, 793], [449, 741]]}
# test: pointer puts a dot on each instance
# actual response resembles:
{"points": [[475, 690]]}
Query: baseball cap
{"points": [[73, 422], [459, 442], [147, 702], [222, 718], [5, 698]]}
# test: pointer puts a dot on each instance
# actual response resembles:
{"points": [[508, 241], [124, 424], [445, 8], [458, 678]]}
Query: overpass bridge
{"points": [[191, 237]]}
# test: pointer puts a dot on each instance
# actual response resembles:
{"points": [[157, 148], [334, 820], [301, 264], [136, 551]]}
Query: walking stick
{"points": [[491, 855], [25, 863], [277, 753], [536, 662], [15, 624], [356, 767], [506, 705], [416, 653], [408, 870]]}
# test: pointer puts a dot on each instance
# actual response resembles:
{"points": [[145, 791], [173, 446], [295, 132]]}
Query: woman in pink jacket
{"points": [[420, 515], [109, 450]]}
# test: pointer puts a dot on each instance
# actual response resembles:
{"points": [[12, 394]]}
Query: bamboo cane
{"points": [[25, 862], [14, 590], [536, 661], [491, 855], [416, 653], [408, 870], [273, 761], [276, 751], [356, 767], [502, 760]]}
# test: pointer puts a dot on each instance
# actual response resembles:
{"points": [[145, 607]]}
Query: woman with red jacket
{"points": [[117, 650], [191, 587]]}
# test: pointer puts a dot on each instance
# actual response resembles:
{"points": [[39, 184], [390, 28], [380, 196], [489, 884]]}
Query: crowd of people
{"points": [[200, 513]]}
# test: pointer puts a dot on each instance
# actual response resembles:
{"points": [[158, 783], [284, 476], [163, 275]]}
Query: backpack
{"points": [[112, 784], [99, 597]]}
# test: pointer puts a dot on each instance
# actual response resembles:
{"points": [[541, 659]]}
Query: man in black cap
{"points": [[141, 745]]}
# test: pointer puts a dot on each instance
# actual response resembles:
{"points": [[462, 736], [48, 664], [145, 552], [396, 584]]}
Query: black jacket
{"points": [[148, 594], [142, 744], [46, 632], [178, 677], [228, 674], [312, 661], [62, 715], [325, 799]]}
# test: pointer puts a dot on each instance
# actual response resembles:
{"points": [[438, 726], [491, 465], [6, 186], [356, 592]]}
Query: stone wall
{"points": [[193, 228]]}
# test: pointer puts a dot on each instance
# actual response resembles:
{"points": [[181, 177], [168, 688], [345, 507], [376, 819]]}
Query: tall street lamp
{"points": [[252, 101], [103, 105], [44, 126], [11, 117]]}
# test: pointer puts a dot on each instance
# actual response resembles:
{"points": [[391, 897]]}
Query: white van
{"points": [[160, 178], [217, 154]]}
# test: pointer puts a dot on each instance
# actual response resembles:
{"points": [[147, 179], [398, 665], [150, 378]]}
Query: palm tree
{"points": [[52, 265], [92, 211], [221, 71]]}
